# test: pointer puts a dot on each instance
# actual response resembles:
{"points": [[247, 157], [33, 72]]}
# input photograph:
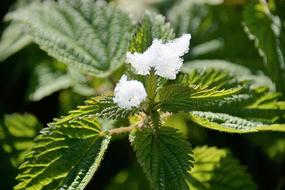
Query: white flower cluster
{"points": [[129, 94], [164, 58]]}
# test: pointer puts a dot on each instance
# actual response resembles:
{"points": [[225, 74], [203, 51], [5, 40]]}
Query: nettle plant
{"points": [[100, 40]]}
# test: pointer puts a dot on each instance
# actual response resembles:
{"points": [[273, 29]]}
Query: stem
{"points": [[127, 129], [121, 130], [155, 118], [151, 86]]}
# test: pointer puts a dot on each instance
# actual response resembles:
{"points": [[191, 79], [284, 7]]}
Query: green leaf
{"points": [[48, 79], [159, 27], [153, 26], [17, 134], [165, 155], [12, 40], [51, 76], [211, 78], [217, 100], [100, 106], [90, 36], [143, 36], [216, 169], [83, 83], [65, 156], [240, 72], [221, 91], [264, 28], [253, 104], [232, 124], [197, 87]]}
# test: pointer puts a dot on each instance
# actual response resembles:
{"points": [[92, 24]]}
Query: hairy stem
{"points": [[127, 129], [121, 130]]}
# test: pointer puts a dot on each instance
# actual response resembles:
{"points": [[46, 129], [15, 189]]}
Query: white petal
{"points": [[168, 62], [165, 58], [141, 62], [168, 68], [179, 46], [129, 94]]}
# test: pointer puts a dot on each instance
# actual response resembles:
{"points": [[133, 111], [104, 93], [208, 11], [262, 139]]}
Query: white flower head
{"points": [[129, 93], [165, 58]]}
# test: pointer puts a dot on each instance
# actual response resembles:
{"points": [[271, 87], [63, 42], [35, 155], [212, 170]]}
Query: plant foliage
{"points": [[101, 106], [12, 40], [265, 29], [17, 134], [222, 87], [153, 26], [56, 163], [47, 79], [216, 169], [86, 35], [165, 156], [217, 100]]}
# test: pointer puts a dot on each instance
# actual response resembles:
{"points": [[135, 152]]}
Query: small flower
{"points": [[165, 58], [130, 93]]}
